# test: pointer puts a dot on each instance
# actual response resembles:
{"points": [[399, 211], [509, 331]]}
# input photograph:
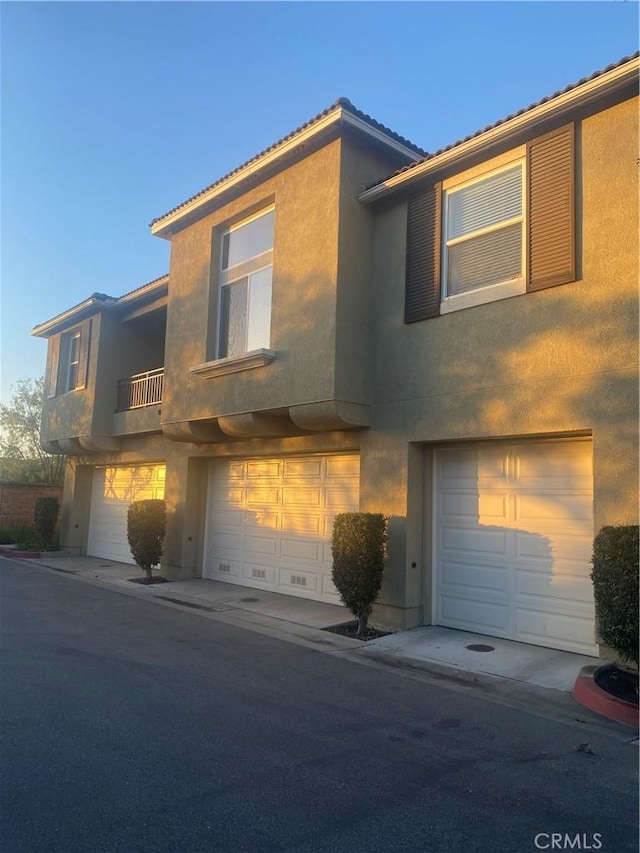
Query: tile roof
{"points": [[345, 103], [97, 301], [501, 121]]}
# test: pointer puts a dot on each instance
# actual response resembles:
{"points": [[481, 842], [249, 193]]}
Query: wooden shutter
{"points": [[551, 209], [422, 293], [53, 360], [83, 357]]}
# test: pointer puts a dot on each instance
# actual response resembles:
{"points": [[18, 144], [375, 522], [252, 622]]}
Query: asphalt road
{"points": [[135, 727]]}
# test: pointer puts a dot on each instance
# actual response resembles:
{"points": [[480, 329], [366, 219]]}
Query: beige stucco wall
{"points": [[72, 414], [303, 298]]}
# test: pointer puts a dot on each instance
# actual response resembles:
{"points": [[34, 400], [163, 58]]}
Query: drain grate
{"points": [[480, 647], [249, 600]]}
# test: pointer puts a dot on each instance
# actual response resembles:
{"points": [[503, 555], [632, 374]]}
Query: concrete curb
{"points": [[587, 693]]}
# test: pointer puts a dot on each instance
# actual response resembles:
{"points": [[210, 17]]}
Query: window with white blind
{"points": [[499, 229], [484, 236], [246, 259]]}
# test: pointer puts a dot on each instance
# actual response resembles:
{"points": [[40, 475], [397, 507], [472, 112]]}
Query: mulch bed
{"points": [[620, 683], [350, 629], [147, 581]]}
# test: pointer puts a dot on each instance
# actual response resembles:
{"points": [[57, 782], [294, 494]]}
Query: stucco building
{"points": [[350, 323]]}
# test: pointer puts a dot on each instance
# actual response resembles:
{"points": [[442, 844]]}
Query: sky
{"points": [[114, 113]]}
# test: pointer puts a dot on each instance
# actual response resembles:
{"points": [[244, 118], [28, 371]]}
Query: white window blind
{"points": [[245, 287], [484, 232]]}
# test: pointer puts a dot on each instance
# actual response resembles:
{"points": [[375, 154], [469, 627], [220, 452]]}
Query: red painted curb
{"points": [[587, 693], [11, 552]]}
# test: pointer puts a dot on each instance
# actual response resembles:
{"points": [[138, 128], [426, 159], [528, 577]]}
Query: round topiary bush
{"points": [[146, 526], [615, 584], [358, 548]]}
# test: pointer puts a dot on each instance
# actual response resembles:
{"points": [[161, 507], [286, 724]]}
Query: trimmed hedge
{"points": [[358, 549], [146, 527], [45, 517], [615, 584]]}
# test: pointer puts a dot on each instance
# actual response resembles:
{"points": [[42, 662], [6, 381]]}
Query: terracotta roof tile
{"points": [[520, 112], [345, 103]]}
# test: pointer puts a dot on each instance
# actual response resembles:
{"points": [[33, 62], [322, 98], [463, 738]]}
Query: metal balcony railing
{"points": [[143, 389]]}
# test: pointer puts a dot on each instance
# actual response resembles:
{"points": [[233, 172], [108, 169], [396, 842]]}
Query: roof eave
{"points": [[591, 91], [165, 225], [71, 316]]}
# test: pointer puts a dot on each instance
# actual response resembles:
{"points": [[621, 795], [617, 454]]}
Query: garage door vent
{"points": [[258, 573], [299, 580], [224, 567]]}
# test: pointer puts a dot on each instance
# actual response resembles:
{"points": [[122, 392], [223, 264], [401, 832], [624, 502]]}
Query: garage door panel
{"points": [[473, 616], [229, 517], [260, 520], [287, 512], [260, 545], [299, 549], [565, 547], [229, 568], [478, 540], [302, 524], [229, 541], [263, 470], [262, 496], [303, 470], [543, 540], [563, 591], [225, 496], [490, 508], [298, 581], [557, 631], [344, 497], [342, 467], [259, 575], [473, 576], [555, 508], [536, 469], [302, 496]]}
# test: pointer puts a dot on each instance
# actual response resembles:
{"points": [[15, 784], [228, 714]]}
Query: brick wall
{"points": [[18, 501]]}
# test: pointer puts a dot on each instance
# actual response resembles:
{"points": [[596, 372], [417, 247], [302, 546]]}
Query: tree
{"points": [[22, 457]]}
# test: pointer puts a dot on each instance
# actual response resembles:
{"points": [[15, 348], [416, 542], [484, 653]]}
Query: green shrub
{"points": [[358, 549], [615, 584], [32, 543], [146, 526], [16, 532], [45, 517]]}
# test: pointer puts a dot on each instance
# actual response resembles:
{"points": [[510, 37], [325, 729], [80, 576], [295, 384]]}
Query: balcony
{"points": [[140, 390]]}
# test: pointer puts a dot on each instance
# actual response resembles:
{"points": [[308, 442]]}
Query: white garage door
{"points": [[269, 521], [513, 542], [112, 492]]}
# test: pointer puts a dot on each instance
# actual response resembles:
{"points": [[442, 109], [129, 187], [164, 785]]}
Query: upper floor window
{"points": [[71, 361], [246, 253], [484, 232], [498, 230], [67, 360]]}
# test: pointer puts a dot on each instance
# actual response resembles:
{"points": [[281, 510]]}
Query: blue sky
{"points": [[113, 113]]}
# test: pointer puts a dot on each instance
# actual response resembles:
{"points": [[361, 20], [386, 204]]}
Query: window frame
{"points": [[501, 289], [60, 366], [72, 343], [231, 275]]}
